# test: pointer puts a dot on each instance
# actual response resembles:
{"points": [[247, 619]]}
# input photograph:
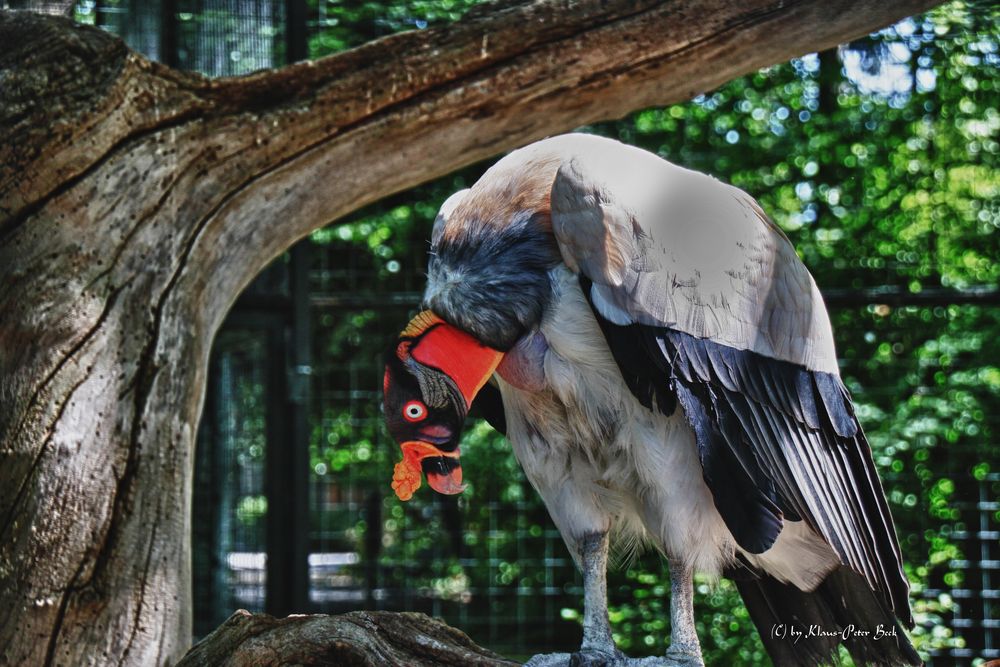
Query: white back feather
{"points": [[667, 246]]}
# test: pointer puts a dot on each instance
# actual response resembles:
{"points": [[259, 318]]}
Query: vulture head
{"points": [[432, 373]]}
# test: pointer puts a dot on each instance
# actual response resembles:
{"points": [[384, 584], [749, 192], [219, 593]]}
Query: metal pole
{"points": [[296, 35], [299, 370], [300, 385], [168, 33], [289, 382], [278, 485]]}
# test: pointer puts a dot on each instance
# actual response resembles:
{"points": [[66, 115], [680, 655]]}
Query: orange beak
{"points": [[406, 476]]}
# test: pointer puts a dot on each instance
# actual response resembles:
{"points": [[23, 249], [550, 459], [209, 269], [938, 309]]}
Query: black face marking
{"points": [[437, 390], [439, 465], [492, 281]]}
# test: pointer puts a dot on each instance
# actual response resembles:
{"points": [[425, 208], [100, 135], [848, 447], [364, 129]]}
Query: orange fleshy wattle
{"points": [[405, 480], [406, 475]]}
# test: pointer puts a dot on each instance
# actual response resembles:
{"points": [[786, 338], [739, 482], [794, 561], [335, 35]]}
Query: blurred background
{"points": [[879, 159]]}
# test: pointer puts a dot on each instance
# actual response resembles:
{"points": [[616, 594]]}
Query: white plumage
{"points": [[598, 457], [669, 376]]}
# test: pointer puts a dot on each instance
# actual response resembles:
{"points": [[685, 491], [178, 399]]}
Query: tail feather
{"points": [[805, 628]]}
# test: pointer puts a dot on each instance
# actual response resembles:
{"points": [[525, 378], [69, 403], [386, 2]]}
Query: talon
{"points": [[684, 658], [596, 658]]}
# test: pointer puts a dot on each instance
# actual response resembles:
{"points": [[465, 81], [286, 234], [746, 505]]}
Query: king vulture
{"points": [[668, 376]]}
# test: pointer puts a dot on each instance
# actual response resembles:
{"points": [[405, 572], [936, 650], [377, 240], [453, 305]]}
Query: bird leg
{"points": [[684, 647], [598, 647]]}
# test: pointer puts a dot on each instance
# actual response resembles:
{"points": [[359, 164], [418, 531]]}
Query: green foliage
{"points": [[344, 24], [878, 188], [251, 509]]}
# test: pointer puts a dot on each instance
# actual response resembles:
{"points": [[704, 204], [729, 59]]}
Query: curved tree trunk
{"points": [[137, 201]]}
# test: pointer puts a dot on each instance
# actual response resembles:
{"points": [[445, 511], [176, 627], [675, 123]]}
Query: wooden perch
{"points": [[356, 639]]}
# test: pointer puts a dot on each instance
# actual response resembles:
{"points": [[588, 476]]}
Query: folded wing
{"points": [[705, 305]]}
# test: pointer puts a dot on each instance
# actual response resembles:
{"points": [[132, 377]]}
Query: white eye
{"points": [[414, 411]]}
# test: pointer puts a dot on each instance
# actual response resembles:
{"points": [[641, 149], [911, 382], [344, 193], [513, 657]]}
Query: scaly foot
{"points": [[598, 658]]}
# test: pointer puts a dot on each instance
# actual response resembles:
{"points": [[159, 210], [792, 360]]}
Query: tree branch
{"points": [[508, 74], [365, 639]]}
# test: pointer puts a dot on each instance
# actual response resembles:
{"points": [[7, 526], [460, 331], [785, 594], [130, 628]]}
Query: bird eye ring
{"points": [[414, 411]]}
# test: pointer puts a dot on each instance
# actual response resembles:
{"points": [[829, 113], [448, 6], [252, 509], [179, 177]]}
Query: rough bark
{"points": [[136, 202], [357, 639]]}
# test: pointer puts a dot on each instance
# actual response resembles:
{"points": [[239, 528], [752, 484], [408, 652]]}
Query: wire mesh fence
{"points": [[491, 561], [229, 37], [228, 534], [214, 37]]}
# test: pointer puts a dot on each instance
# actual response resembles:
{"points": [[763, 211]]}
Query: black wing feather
{"points": [[489, 406], [776, 440], [843, 600], [752, 516], [642, 378]]}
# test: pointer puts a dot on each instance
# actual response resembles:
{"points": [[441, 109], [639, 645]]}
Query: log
{"points": [[355, 639]]}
